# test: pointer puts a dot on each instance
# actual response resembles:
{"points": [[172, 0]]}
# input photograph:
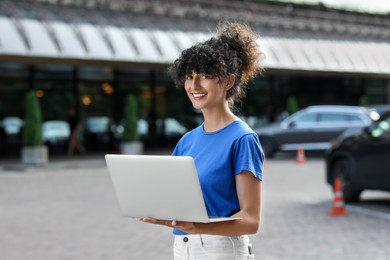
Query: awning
{"points": [[54, 40], [327, 55]]}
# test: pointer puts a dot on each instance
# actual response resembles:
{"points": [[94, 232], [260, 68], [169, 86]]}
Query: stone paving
{"points": [[68, 211]]}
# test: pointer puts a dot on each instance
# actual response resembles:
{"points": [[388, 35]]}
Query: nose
{"points": [[194, 84]]}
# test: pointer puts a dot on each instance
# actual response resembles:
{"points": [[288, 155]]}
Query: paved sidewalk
{"points": [[72, 214], [62, 162]]}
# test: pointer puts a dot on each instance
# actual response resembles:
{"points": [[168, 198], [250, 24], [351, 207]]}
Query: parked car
{"points": [[56, 132], [380, 108], [169, 128], [142, 127], [97, 133], [12, 125], [360, 158], [313, 128], [10, 135]]}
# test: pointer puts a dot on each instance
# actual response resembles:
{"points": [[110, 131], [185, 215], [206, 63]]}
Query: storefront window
{"points": [[13, 86], [165, 112], [53, 84]]}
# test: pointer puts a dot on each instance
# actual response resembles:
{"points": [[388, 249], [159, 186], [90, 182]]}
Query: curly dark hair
{"points": [[234, 51]]}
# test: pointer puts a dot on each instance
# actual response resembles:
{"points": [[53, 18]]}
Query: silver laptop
{"points": [[160, 187]]}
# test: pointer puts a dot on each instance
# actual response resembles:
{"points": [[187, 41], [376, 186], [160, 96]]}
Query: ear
{"points": [[230, 81]]}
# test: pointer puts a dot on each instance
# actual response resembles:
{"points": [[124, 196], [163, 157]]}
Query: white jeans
{"points": [[209, 247]]}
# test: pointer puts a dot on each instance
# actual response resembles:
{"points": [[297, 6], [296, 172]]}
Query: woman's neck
{"points": [[218, 119]]}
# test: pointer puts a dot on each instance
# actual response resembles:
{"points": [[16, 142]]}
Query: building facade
{"points": [[91, 54]]}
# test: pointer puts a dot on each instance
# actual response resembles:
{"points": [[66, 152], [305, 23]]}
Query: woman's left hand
{"points": [[188, 227]]}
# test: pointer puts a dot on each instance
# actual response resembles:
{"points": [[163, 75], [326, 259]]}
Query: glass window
{"points": [[95, 73], [53, 84], [96, 98], [12, 70], [12, 96], [332, 117], [308, 118], [354, 118], [257, 108]]}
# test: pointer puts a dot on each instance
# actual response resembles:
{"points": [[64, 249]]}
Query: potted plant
{"points": [[33, 151], [130, 138]]}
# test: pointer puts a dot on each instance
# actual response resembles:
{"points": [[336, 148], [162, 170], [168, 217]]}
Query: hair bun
{"points": [[241, 39]]}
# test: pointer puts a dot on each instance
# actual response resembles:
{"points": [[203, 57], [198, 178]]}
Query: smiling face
{"points": [[206, 92]]}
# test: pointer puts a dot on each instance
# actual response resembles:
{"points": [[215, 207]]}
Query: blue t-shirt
{"points": [[219, 156]]}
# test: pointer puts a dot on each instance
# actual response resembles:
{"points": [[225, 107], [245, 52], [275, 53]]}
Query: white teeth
{"points": [[198, 95]]}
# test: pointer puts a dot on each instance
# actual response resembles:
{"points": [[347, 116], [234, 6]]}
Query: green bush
{"points": [[291, 105], [130, 123], [363, 101], [32, 130]]}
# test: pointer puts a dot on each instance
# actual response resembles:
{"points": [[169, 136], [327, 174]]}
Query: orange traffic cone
{"points": [[301, 156], [338, 202]]}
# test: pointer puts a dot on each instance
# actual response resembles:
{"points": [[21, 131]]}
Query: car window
{"points": [[338, 119], [305, 120], [354, 118], [332, 117]]}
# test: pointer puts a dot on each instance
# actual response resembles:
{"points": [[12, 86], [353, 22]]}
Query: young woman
{"points": [[227, 153]]}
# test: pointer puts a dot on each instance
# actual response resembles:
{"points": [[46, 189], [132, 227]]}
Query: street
{"points": [[71, 213]]}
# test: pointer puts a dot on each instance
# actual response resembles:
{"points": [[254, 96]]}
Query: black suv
{"points": [[360, 158], [313, 128]]}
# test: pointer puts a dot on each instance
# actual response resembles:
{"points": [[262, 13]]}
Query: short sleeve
{"points": [[248, 155]]}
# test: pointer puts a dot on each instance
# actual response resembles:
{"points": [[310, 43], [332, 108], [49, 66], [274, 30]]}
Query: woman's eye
{"points": [[188, 77]]}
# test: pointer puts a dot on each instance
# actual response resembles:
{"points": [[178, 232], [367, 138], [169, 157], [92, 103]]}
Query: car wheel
{"points": [[268, 146], [342, 169]]}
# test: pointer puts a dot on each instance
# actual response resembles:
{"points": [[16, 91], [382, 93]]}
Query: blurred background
{"points": [[325, 91], [90, 54]]}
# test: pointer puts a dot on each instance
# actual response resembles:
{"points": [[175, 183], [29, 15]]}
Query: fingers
{"points": [[153, 221], [168, 223], [187, 227]]}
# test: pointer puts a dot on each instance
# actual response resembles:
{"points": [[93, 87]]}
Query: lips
{"points": [[198, 95]]}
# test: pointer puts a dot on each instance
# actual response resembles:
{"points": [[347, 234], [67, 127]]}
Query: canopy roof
{"points": [[153, 33], [57, 41]]}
